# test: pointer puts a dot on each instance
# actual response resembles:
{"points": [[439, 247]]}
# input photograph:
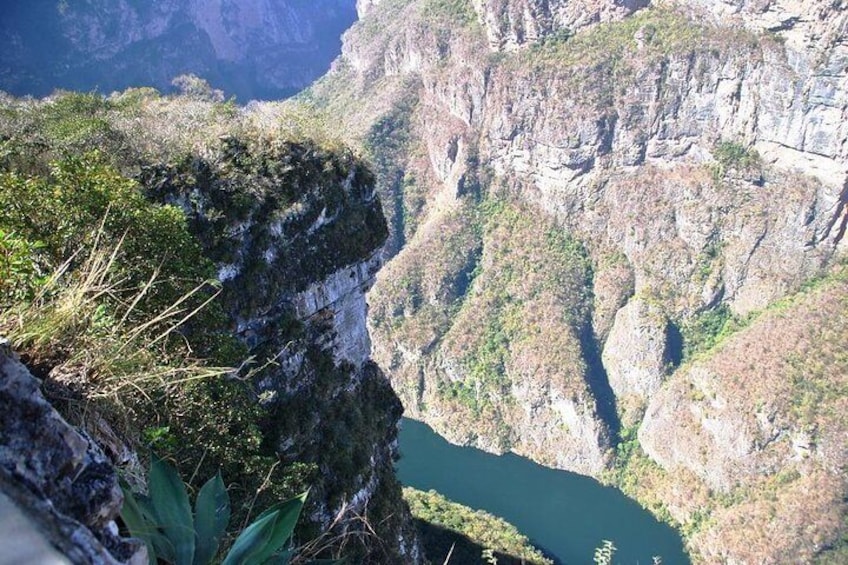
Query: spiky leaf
{"points": [[139, 516], [251, 541], [267, 535], [287, 515], [282, 558], [138, 526], [170, 502], [212, 514]]}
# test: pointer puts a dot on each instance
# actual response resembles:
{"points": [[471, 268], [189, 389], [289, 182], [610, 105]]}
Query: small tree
{"points": [[193, 86]]}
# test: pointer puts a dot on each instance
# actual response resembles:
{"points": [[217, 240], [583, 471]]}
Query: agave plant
{"points": [[172, 533]]}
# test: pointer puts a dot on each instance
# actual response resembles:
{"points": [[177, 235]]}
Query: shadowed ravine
{"points": [[599, 382]]}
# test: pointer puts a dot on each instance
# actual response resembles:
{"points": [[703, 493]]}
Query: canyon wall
{"points": [[584, 207], [292, 229]]}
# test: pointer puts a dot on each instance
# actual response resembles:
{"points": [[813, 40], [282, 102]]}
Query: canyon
{"points": [[605, 236], [617, 233], [261, 49]]}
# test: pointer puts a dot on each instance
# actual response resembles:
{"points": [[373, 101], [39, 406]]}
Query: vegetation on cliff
{"points": [[467, 535], [675, 148], [140, 234]]}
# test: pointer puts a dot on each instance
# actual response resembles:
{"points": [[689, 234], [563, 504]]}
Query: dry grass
{"points": [[752, 438], [83, 325]]}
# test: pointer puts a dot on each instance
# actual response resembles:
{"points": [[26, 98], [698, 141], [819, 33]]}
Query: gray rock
{"points": [[57, 476], [636, 355], [509, 24], [340, 301]]}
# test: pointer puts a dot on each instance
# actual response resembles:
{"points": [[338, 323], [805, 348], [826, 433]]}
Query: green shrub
{"points": [[20, 274], [731, 154], [443, 523], [708, 329], [455, 13], [83, 202]]}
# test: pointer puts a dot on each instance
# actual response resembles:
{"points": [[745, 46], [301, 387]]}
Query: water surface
{"points": [[565, 514]]}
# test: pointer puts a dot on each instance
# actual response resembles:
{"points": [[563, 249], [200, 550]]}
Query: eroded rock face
{"points": [[340, 301], [297, 258], [636, 354], [556, 134], [56, 475], [698, 152], [763, 413], [364, 6], [510, 24]]}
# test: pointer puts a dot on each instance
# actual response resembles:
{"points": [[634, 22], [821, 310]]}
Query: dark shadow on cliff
{"points": [[437, 542], [598, 381], [674, 345]]}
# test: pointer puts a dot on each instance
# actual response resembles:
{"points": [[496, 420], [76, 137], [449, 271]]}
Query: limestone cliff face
{"points": [[695, 150], [257, 49], [636, 355], [340, 300], [761, 419], [296, 260], [509, 24]]}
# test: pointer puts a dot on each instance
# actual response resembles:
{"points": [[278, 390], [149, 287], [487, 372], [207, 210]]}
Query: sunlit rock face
{"points": [[696, 151], [253, 49]]}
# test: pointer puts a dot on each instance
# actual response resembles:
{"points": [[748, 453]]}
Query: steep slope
{"points": [[261, 49], [696, 152], [293, 228], [760, 421]]}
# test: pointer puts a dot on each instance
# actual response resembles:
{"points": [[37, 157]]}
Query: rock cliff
{"points": [[292, 228], [296, 260], [261, 49], [693, 151], [60, 481]]}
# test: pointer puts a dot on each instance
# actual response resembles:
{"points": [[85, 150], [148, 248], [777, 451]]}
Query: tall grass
{"points": [[83, 323]]}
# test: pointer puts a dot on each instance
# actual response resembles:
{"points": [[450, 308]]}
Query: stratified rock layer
{"points": [[697, 152]]}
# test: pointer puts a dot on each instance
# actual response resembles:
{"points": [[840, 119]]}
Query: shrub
{"points": [[82, 202], [732, 154], [443, 523], [20, 274], [708, 329], [604, 553]]}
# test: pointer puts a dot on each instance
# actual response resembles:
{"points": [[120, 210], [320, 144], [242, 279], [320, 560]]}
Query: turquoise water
{"points": [[565, 514]]}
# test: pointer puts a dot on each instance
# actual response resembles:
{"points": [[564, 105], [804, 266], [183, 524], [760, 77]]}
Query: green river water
{"points": [[564, 514]]}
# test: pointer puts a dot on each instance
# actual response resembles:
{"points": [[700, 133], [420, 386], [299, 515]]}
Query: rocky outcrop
{"points": [[56, 478], [262, 49], [509, 24], [673, 111], [365, 6], [762, 415], [502, 370], [339, 302], [636, 355], [296, 259]]}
